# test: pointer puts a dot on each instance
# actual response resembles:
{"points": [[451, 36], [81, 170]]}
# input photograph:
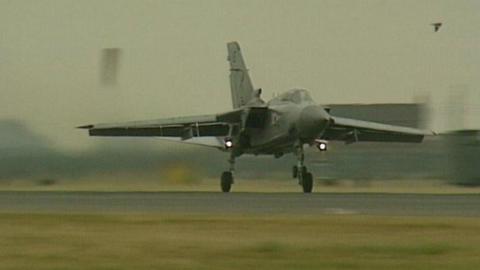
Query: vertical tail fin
{"points": [[240, 83]]}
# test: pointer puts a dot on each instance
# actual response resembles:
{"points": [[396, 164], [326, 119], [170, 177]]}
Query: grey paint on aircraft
{"points": [[282, 125]]}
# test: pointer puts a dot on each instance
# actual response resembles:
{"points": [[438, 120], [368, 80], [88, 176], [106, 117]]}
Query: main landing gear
{"points": [[226, 180], [305, 178]]}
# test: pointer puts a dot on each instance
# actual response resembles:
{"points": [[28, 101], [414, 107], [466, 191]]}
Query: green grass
{"points": [[59, 241]]}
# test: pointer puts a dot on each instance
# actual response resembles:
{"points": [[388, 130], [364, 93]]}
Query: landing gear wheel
{"points": [[307, 182], [295, 170], [304, 170], [226, 181]]}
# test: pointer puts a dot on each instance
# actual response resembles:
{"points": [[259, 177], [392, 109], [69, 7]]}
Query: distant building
{"points": [[402, 114]]}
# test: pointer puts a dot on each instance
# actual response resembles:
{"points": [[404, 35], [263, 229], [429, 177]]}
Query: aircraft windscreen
{"points": [[305, 96], [295, 96]]}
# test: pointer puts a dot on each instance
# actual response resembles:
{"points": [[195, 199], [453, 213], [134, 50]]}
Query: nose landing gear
{"points": [[307, 182], [226, 181], [305, 178]]}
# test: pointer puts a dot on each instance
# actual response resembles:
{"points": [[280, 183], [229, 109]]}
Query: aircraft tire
{"points": [[307, 182], [226, 181], [304, 170], [295, 171]]}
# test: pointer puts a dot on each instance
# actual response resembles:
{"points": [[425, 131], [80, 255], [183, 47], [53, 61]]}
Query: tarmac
{"points": [[241, 203]]}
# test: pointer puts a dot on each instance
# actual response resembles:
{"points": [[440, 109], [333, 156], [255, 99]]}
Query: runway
{"points": [[240, 203]]}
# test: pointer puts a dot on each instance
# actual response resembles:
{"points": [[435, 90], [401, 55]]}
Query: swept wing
{"points": [[203, 129], [351, 130]]}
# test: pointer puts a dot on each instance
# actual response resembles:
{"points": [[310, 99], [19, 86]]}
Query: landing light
{"points": [[322, 145], [228, 143]]}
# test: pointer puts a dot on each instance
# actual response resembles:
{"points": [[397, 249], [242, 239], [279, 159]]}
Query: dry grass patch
{"points": [[56, 241]]}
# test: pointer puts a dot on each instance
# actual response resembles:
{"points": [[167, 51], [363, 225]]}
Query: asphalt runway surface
{"points": [[240, 203]]}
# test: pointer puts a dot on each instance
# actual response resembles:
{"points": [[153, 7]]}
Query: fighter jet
{"points": [[286, 124]]}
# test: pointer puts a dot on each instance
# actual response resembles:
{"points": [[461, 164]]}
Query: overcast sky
{"points": [[174, 56]]}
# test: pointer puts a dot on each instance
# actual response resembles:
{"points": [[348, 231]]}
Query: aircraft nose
{"points": [[313, 119]]}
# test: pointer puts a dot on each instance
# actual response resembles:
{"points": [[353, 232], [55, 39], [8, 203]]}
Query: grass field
{"points": [[59, 241]]}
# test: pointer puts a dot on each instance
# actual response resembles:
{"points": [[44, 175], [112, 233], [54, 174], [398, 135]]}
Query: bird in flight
{"points": [[436, 26]]}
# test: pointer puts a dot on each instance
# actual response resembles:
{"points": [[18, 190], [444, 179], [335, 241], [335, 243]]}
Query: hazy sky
{"points": [[174, 56]]}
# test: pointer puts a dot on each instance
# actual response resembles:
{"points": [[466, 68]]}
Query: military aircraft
{"points": [[285, 124]]}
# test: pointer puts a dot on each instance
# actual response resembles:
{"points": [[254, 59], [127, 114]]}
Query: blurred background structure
{"points": [[451, 157], [110, 65]]}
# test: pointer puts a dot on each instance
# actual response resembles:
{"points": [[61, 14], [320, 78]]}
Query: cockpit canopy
{"points": [[295, 95]]}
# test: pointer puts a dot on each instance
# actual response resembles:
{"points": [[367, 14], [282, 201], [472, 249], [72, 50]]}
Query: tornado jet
{"points": [[286, 124]]}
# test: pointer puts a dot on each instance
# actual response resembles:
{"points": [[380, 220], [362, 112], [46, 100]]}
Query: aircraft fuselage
{"points": [[287, 124]]}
